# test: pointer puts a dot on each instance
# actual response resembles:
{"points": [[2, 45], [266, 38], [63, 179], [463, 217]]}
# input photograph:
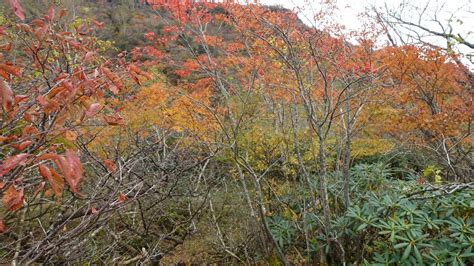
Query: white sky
{"points": [[348, 10]]}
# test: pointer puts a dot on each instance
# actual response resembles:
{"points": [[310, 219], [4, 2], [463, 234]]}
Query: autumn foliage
{"points": [[238, 119], [59, 82]]}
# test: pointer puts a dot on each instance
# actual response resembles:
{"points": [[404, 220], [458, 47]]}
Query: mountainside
{"points": [[193, 132]]}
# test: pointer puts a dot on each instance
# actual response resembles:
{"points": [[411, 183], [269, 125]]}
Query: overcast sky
{"points": [[348, 9]]}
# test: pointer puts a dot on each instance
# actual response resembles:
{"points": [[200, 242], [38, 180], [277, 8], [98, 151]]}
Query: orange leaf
{"points": [[48, 156], [15, 71], [122, 197], [7, 139], [4, 74], [28, 116], [22, 145], [114, 120], [6, 95], [70, 135], [56, 182], [146, 75], [62, 12], [11, 162], [48, 105], [20, 98], [44, 171], [29, 131], [112, 77], [13, 199], [135, 69], [55, 91], [38, 22], [110, 165]]}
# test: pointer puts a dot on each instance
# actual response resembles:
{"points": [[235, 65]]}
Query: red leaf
{"points": [[93, 109], [135, 77], [98, 24], [61, 76], [50, 16], [421, 180], [71, 168], [13, 199], [6, 47], [48, 105], [3, 227], [11, 162], [42, 101], [39, 188], [150, 36], [114, 90], [88, 57], [17, 9]]}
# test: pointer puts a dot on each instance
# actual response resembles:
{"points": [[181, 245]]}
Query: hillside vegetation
{"points": [[183, 133]]}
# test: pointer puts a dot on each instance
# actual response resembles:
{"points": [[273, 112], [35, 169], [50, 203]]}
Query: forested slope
{"points": [[224, 133]]}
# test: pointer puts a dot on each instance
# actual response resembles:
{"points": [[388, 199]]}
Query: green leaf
{"points": [[417, 254], [401, 245], [402, 238], [425, 245], [361, 227], [406, 253]]}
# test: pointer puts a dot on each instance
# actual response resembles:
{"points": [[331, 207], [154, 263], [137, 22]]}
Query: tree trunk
{"points": [[347, 155], [323, 194]]}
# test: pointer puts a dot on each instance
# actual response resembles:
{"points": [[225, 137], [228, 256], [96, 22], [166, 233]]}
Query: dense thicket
{"points": [[227, 133]]}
